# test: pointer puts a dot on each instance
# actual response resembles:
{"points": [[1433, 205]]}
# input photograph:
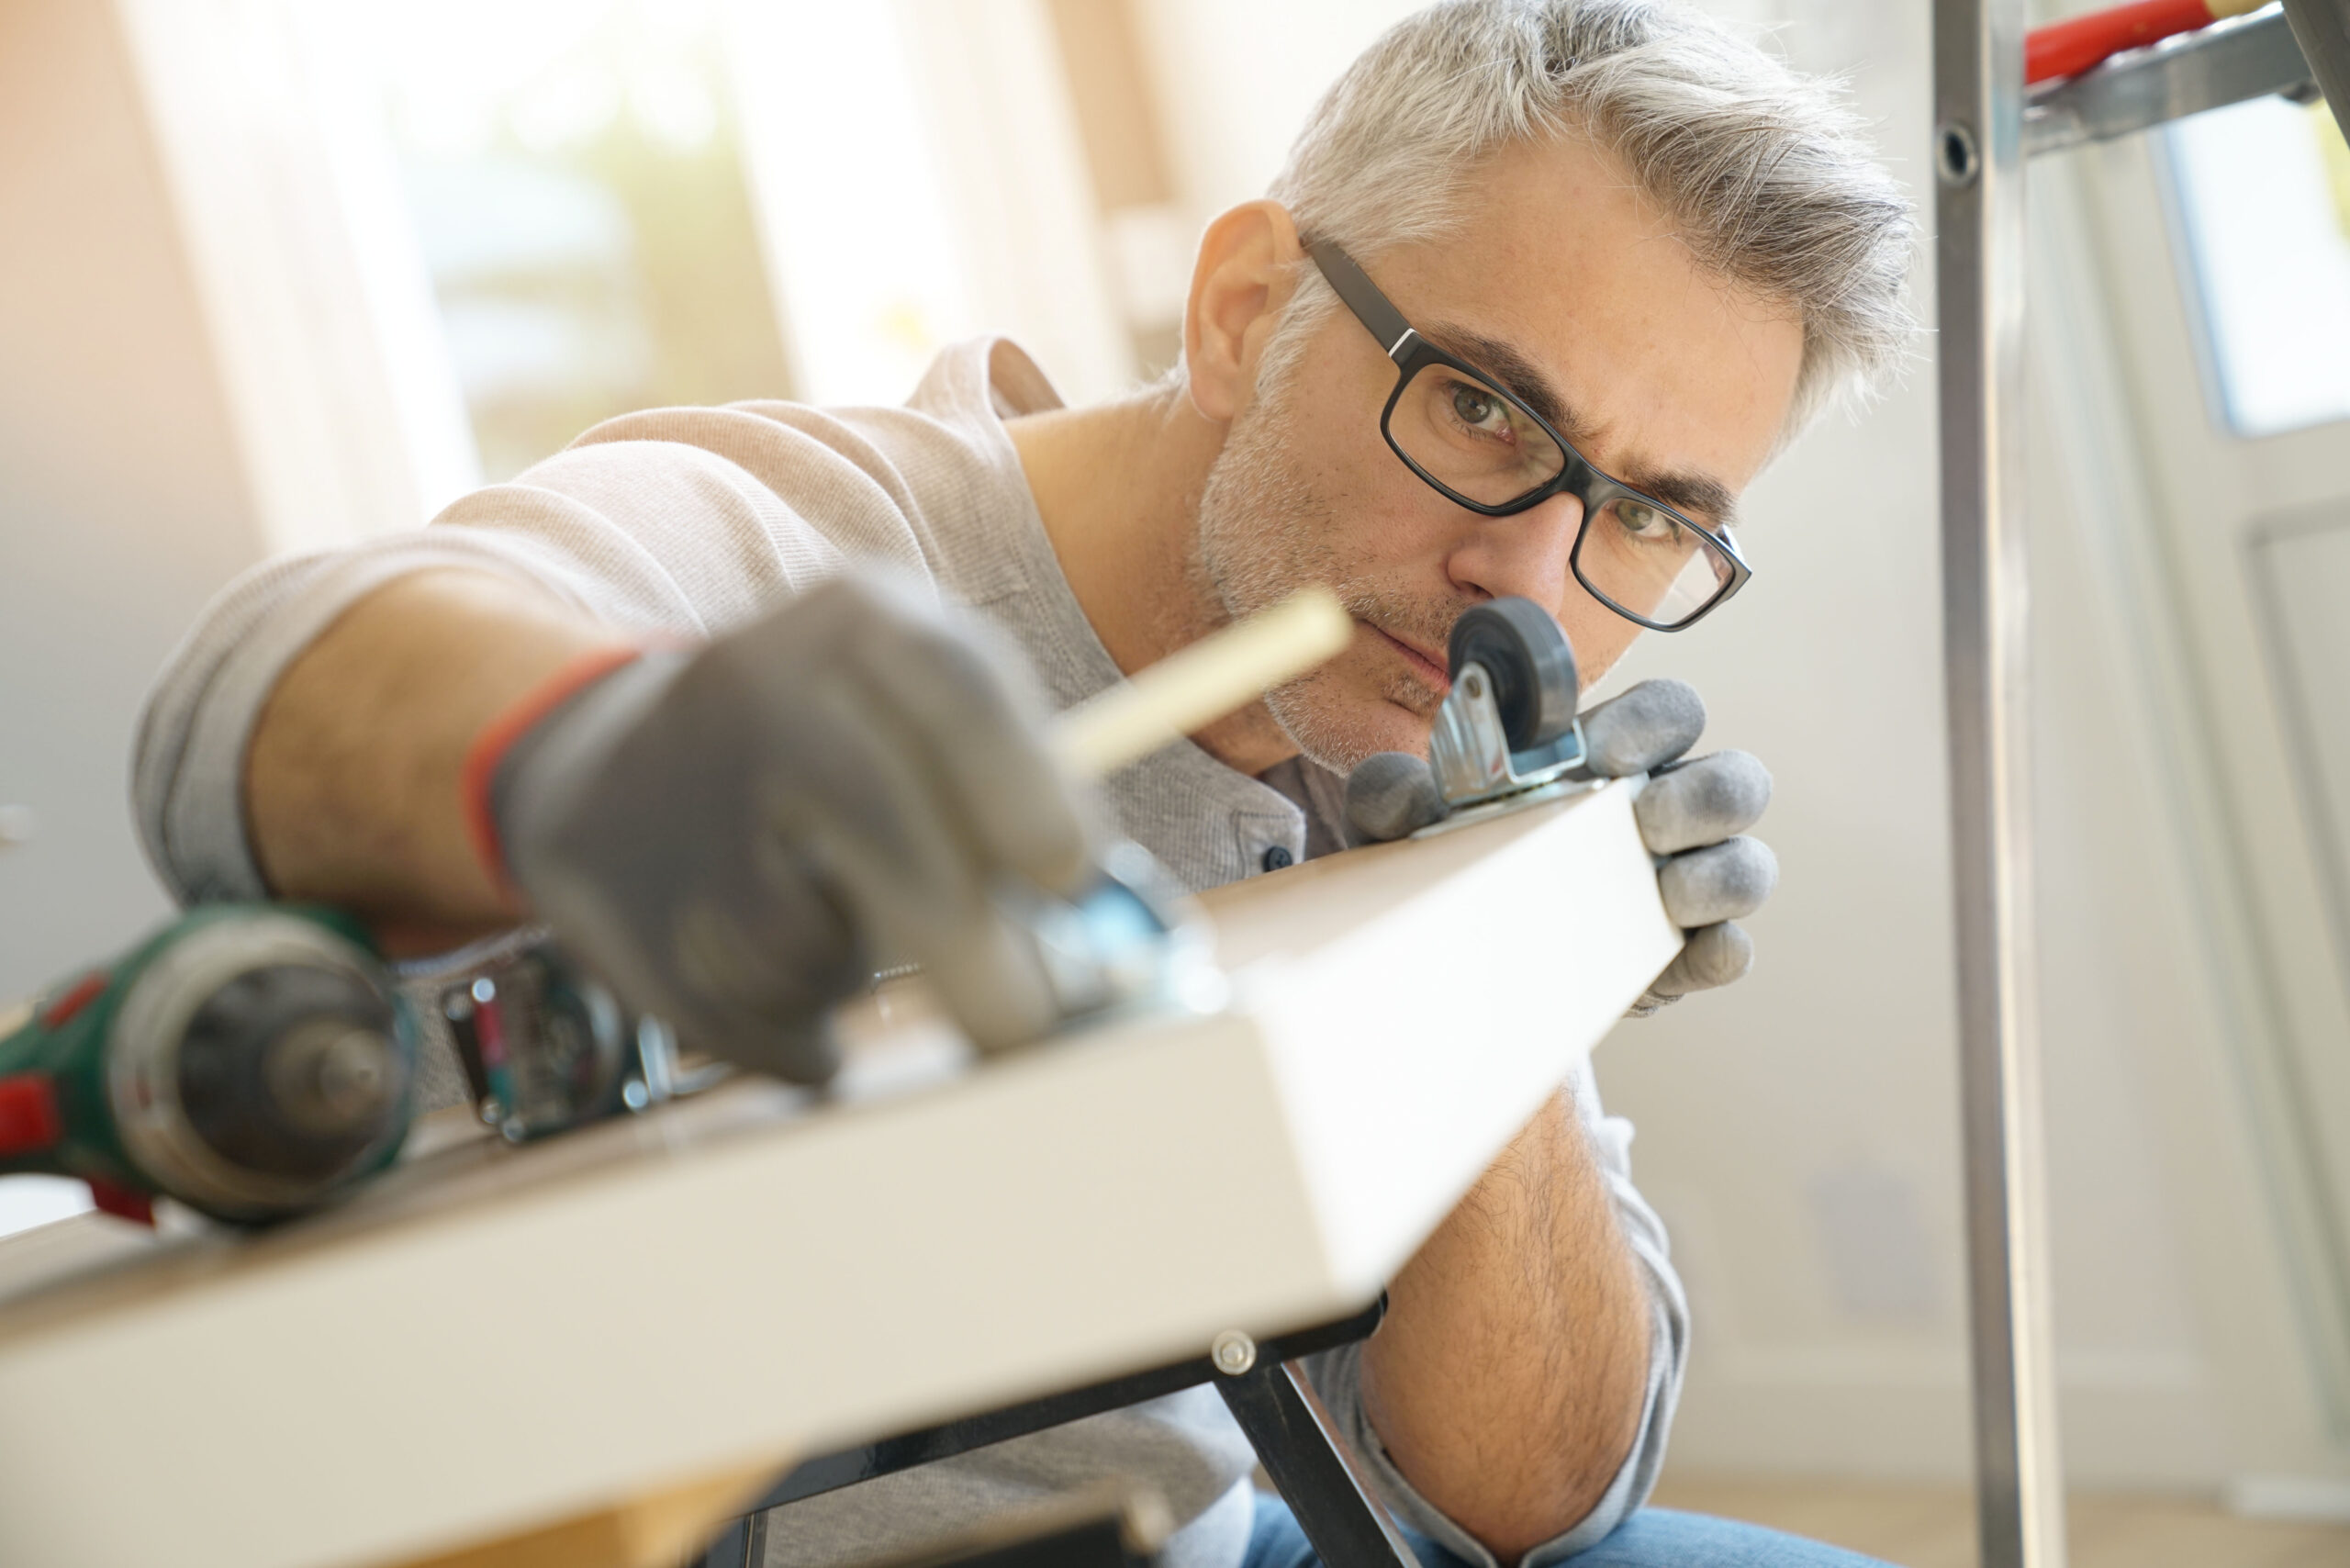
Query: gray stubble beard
{"points": [[1264, 532]]}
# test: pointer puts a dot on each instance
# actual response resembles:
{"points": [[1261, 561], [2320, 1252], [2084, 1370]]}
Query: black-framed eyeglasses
{"points": [[1481, 447]]}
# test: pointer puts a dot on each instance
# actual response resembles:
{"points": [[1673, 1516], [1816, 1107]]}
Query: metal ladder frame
{"points": [[1985, 126]]}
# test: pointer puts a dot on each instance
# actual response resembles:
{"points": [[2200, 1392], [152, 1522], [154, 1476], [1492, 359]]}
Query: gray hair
{"points": [[1765, 173]]}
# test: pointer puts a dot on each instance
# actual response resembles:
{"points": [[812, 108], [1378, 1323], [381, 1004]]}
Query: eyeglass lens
{"points": [[1638, 558], [1476, 441], [1470, 439]]}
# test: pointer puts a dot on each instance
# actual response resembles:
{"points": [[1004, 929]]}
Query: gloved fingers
{"points": [[1714, 956], [763, 937], [984, 966], [991, 975], [730, 847], [872, 818], [940, 690], [1641, 729], [1702, 802], [756, 998], [922, 891], [1391, 795], [965, 707], [1721, 881], [740, 1004]]}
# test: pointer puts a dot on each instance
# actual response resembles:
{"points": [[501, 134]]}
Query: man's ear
{"points": [[1244, 273]]}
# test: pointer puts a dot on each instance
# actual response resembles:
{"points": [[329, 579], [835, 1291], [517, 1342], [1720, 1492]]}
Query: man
{"points": [[1598, 260]]}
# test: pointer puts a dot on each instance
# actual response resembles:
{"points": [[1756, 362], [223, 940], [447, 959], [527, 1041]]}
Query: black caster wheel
{"points": [[1527, 657]]}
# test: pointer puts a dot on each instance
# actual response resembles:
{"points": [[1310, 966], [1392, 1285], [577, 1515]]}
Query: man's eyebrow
{"points": [[1705, 499], [1519, 375]]}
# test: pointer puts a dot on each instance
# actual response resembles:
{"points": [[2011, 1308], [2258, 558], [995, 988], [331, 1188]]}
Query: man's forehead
{"points": [[1565, 281]]}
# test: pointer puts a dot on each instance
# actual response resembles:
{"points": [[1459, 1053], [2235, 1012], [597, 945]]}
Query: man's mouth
{"points": [[1426, 666]]}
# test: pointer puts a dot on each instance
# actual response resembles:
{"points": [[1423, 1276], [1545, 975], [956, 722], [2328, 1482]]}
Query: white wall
{"points": [[122, 502], [1800, 1132]]}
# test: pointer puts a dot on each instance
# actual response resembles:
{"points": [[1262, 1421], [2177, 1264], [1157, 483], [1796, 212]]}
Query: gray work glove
{"points": [[1692, 814], [734, 838]]}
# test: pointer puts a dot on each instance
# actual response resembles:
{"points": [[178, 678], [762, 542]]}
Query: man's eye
{"points": [[1478, 409], [1642, 521]]}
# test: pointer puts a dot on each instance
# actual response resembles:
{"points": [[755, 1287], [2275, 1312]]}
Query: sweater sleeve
{"points": [[682, 520], [1337, 1375]]}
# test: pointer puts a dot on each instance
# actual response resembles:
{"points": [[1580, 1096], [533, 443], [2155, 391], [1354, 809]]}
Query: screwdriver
{"points": [[1201, 683]]}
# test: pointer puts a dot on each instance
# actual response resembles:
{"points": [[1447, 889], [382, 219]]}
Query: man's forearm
{"points": [[1508, 1378], [350, 786]]}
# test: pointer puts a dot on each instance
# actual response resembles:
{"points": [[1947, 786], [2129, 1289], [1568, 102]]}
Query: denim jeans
{"points": [[1653, 1537]]}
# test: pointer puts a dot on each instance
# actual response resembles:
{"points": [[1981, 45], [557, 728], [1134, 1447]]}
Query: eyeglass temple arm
{"points": [[1361, 296]]}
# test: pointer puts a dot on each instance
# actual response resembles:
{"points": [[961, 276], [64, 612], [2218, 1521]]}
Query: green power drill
{"points": [[249, 1060]]}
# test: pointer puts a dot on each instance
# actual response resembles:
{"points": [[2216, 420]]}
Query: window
{"points": [[574, 172], [438, 238], [2263, 204]]}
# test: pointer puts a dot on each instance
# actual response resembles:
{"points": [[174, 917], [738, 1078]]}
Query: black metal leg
{"points": [[742, 1544], [1274, 1405], [1307, 1458], [725, 1548]]}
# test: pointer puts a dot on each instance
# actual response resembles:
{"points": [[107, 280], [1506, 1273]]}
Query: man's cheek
{"points": [[1598, 635]]}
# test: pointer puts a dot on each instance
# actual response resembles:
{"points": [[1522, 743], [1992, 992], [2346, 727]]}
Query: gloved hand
{"points": [[1693, 814], [734, 836]]}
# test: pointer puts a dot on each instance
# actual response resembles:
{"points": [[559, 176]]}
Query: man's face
{"points": [[1572, 290]]}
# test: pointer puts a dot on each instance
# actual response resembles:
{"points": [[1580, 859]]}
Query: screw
{"points": [[1475, 683], [634, 1095], [1233, 1353], [1956, 158]]}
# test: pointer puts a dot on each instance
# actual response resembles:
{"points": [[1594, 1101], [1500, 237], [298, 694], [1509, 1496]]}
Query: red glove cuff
{"points": [[478, 775]]}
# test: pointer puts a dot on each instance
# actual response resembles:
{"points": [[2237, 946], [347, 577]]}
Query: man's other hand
{"points": [[736, 837], [1693, 814]]}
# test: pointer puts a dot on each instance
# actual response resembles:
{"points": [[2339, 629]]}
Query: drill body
{"points": [[249, 1060]]}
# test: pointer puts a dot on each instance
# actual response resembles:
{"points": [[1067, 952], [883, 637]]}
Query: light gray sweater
{"points": [[689, 521]]}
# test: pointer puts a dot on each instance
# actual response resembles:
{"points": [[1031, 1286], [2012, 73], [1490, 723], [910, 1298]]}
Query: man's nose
{"points": [[1527, 554]]}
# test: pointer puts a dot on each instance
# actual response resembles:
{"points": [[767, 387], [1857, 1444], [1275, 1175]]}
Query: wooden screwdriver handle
{"points": [[1198, 685]]}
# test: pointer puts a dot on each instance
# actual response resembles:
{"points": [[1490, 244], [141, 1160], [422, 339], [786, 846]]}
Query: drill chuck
{"points": [[250, 1061]]}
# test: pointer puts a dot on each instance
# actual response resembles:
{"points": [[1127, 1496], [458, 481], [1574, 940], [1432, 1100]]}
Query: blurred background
{"points": [[277, 274]]}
